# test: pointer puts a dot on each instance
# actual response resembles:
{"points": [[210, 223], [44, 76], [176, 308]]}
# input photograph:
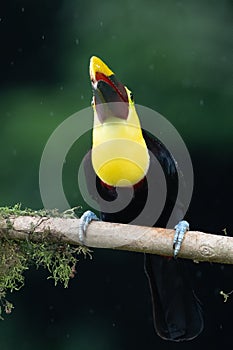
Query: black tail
{"points": [[176, 309]]}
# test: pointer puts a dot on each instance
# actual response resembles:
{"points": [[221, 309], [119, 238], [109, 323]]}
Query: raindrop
{"points": [[77, 41], [201, 103], [51, 113], [22, 9], [101, 24], [82, 97], [42, 37]]}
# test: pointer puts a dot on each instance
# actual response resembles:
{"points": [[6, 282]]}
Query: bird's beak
{"points": [[109, 94]]}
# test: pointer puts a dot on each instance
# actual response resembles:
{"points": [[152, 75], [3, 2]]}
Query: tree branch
{"points": [[197, 246]]}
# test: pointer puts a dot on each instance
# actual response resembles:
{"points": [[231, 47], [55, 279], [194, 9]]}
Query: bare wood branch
{"points": [[197, 246]]}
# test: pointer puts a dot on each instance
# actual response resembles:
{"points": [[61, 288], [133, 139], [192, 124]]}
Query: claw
{"points": [[181, 228], [85, 220]]}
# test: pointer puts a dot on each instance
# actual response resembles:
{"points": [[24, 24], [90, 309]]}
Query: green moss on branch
{"points": [[16, 256]]}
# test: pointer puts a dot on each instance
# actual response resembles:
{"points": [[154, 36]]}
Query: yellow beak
{"points": [[98, 66], [110, 97]]}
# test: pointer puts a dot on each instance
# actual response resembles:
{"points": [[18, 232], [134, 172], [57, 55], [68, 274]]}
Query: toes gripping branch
{"points": [[85, 220], [181, 228]]}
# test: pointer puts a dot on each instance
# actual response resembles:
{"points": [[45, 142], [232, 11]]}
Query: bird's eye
{"points": [[131, 97], [92, 101]]}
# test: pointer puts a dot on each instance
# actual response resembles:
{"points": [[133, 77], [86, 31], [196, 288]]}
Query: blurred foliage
{"points": [[176, 56]]}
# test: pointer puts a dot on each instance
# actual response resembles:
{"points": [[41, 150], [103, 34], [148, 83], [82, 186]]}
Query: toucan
{"points": [[121, 169]]}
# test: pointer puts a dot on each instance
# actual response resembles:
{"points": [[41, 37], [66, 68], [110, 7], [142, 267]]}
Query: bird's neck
{"points": [[119, 155]]}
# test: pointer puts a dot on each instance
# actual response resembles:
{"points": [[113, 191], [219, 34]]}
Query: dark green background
{"points": [[176, 56]]}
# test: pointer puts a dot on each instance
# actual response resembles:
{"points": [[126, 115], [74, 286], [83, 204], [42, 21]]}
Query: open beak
{"points": [[110, 96]]}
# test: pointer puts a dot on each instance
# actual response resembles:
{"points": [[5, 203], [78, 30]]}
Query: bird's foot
{"points": [[85, 220], [181, 228]]}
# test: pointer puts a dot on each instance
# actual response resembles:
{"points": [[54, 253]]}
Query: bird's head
{"points": [[119, 153], [110, 97]]}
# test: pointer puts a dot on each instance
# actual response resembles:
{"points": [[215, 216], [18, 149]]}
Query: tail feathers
{"points": [[176, 310]]}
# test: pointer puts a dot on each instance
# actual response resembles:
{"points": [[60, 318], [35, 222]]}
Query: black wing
{"points": [[176, 310]]}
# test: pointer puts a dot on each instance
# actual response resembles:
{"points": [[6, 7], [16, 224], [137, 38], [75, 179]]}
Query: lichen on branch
{"points": [[16, 256]]}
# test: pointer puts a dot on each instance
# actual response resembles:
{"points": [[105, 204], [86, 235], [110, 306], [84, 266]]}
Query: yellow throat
{"points": [[119, 153]]}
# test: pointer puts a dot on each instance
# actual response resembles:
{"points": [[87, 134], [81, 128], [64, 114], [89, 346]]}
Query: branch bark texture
{"points": [[197, 246]]}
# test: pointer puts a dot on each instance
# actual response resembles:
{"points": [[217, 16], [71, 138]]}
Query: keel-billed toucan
{"points": [[118, 166]]}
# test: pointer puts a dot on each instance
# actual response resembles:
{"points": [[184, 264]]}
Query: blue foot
{"points": [[181, 228], [85, 220]]}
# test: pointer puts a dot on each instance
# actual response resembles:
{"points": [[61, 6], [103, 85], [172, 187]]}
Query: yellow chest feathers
{"points": [[119, 154]]}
